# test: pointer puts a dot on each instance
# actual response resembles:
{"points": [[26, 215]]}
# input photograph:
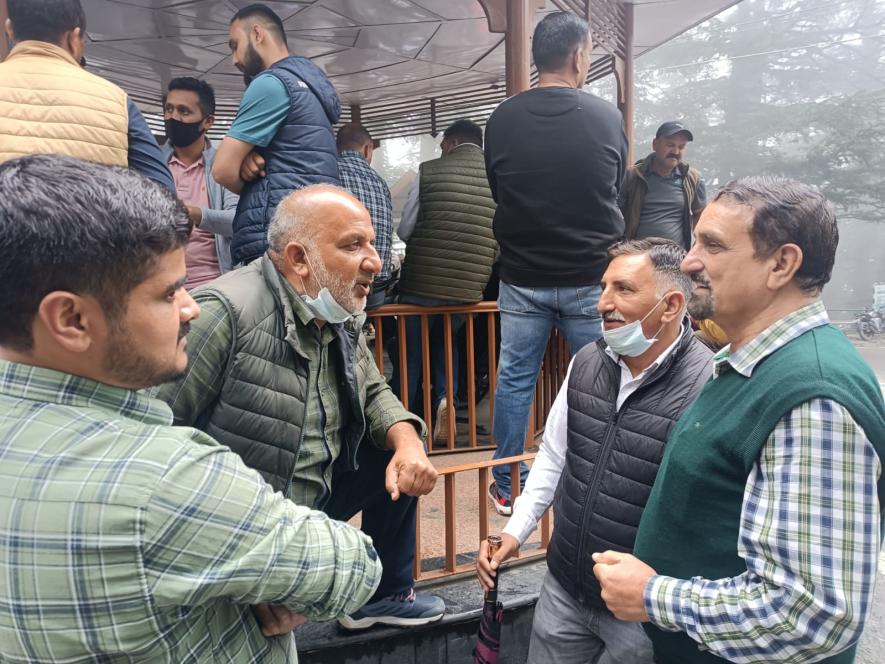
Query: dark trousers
{"points": [[391, 525]]}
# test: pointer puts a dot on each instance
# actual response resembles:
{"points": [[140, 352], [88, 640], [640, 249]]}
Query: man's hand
{"points": [[623, 579], [276, 620], [195, 213], [487, 569], [252, 167], [409, 471]]}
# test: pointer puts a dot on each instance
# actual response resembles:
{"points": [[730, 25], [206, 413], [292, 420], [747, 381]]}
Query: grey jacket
{"points": [[218, 218]]}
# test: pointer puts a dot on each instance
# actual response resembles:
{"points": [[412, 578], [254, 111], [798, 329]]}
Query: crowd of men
{"points": [[190, 413]]}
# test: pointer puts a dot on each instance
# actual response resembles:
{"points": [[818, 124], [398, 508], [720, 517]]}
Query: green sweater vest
{"points": [[691, 522]]}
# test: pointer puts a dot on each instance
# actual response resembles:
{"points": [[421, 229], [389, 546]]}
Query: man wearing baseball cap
{"points": [[662, 196]]}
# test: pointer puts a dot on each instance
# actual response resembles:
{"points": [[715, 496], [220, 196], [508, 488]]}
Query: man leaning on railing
{"points": [[280, 373], [604, 439]]}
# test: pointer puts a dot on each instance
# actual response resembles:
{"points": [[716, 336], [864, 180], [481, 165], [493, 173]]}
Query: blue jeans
{"points": [[527, 317], [436, 329]]}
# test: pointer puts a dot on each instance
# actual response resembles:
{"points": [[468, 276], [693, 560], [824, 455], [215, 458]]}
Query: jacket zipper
{"points": [[612, 427]]}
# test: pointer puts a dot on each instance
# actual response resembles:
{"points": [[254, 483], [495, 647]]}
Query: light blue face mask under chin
{"points": [[629, 339], [325, 307]]}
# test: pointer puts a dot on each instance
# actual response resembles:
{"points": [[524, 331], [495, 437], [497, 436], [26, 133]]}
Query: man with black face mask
{"points": [[188, 109]]}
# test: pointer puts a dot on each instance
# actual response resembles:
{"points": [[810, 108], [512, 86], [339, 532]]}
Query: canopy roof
{"points": [[411, 65]]}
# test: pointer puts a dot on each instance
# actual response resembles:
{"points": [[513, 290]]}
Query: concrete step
{"points": [[448, 641]]}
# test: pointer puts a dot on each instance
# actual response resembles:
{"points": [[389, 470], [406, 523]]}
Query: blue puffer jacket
{"points": [[302, 152]]}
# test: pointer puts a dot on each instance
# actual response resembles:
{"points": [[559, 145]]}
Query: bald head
{"points": [[306, 212]]}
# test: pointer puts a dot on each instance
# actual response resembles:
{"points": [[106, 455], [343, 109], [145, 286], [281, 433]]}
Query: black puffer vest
{"points": [[613, 455]]}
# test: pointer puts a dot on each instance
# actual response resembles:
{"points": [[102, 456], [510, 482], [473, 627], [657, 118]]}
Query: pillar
{"points": [[517, 45], [625, 80]]}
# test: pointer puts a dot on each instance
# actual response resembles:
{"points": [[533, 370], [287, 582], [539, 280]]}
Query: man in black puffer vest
{"points": [[604, 439]]}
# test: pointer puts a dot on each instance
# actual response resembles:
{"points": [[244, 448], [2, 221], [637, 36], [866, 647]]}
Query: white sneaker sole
{"points": [[364, 623]]}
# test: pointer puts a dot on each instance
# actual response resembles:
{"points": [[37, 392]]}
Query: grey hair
{"points": [[666, 257]]}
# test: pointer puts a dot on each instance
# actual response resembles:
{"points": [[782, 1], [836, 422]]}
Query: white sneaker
{"points": [[441, 425]]}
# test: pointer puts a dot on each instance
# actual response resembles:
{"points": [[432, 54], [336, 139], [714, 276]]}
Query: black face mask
{"points": [[181, 134]]}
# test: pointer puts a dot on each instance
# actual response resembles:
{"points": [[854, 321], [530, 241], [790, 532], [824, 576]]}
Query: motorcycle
{"points": [[870, 323]]}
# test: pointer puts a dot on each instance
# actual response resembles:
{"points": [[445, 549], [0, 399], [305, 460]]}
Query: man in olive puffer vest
{"points": [[603, 441], [279, 372], [450, 248], [760, 539]]}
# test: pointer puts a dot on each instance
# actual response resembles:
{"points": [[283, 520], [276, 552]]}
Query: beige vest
{"points": [[49, 104]]}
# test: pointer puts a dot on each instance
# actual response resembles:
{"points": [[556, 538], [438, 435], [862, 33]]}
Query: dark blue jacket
{"points": [[302, 152]]}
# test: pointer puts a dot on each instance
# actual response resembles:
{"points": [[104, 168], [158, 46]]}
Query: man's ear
{"points": [[10, 33], [785, 263], [296, 259], [69, 320], [209, 120], [674, 307], [257, 32]]}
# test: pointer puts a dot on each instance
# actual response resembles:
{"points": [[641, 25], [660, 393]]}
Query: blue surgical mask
{"points": [[629, 339], [324, 306]]}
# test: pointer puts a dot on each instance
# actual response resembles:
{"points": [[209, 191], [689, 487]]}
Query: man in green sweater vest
{"points": [[760, 538]]}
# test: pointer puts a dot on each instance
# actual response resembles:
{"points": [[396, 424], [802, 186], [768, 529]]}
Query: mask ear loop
{"points": [[310, 265], [655, 335]]}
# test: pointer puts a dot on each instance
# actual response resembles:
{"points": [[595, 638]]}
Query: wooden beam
{"points": [[356, 113], [517, 46], [4, 44], [624, 72], [496, 14]]}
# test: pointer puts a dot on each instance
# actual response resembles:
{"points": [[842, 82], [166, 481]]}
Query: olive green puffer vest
{"points": [[260, 410], [451, 251]]}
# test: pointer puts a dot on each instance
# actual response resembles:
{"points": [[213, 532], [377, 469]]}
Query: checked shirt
{"points": [[123, 538], [813, 487], [370, 188]]}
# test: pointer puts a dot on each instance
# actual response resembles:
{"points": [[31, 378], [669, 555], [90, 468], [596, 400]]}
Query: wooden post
{"points": [[4, 45], [356, 113], [517, 46], [625, 81]]}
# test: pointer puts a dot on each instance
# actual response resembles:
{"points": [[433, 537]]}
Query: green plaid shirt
{"points": [[123, 538]]}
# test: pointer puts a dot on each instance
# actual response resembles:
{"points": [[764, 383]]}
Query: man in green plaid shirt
{"points": [[123, 537]]}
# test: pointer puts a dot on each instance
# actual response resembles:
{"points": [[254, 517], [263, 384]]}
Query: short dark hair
{"points": [[45, 20], [789, 212], [352, 136], [466, 130], [205, 93], [556, 37], [82, 227], [258, 13], [666, 257]]}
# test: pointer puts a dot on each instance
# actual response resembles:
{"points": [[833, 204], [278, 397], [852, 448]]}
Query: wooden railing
{"points": [[391, 319], [449, 476], [484, 314]]}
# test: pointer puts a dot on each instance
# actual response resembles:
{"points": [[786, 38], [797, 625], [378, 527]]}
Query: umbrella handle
{"points": [[495, 542]]}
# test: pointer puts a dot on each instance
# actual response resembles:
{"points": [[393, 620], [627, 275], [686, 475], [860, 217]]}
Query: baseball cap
{"points": [[670, 128]]}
